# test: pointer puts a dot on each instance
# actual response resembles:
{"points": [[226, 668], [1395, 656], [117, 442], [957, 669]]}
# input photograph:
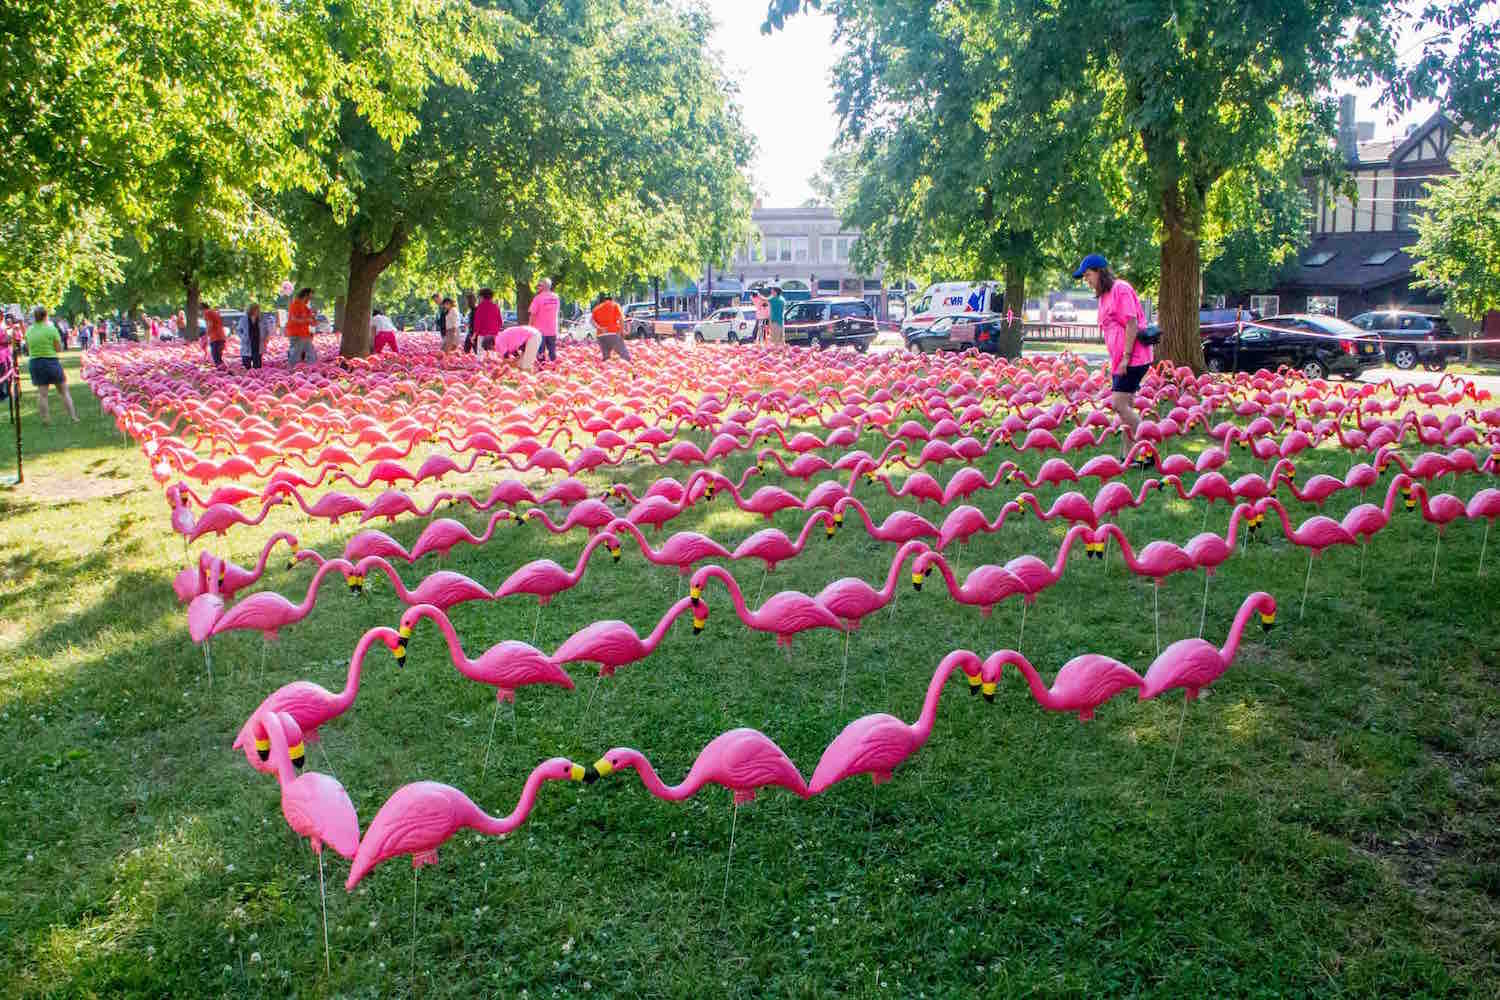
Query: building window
{"points": [[828, 285], [799, 249], [1318, 259], [1408, 195], [1323, 305], [772, 245], [1380, 257], [825, 250], [1265, 305]]}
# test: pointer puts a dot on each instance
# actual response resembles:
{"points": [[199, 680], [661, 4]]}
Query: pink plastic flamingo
{"points": [[614, 644], [1194, 664], [420, 817], [783, 615], [505, 666], [1082, 685], [311, 704], [741, 760], [268, 612], [877, 744], [544, 579], [1315, 534]]}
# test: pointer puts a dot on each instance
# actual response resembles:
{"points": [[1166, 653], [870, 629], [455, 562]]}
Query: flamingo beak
{"points": [[974, 682], [1267, 620], [699, 624], [989, 688], [916, 580], [838, 520], [298, 754], [601, 768], [695, 593], [399, 652], [614, 553], [580, 773], [263, 748]]}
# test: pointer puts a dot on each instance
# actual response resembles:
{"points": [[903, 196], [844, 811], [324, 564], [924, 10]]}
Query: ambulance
{"points": [[952, 298]]}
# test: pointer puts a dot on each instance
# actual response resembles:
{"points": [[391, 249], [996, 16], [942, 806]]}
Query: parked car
{"points": [[1223, 322], [1317, 346], [734, 324], [980, 331], [1398, 329], [840, 322], [1063, 312]]}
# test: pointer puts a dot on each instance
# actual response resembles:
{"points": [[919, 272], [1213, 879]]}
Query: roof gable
{"points": [[1428, 141]]}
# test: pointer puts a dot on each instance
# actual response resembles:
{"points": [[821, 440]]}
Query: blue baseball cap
{"points": [[1094, 261]]}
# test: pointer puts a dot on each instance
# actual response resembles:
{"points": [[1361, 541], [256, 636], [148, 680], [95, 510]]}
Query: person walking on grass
{"points": [[248, 329], [43, 342], [762, 315], [1121, 318], [543, 315], [448, 326], [383, 333], [299, 329], [609, 326], [776, 318], [214, 321]]}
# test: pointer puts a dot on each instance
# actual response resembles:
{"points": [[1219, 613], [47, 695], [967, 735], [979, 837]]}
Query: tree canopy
{"points": [[1458, 231]]}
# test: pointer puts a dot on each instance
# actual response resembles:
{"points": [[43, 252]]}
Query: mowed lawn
{"points": [[1328, 828]]}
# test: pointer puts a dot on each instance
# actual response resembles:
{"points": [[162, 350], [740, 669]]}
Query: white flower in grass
{"points": [[254, 957]]}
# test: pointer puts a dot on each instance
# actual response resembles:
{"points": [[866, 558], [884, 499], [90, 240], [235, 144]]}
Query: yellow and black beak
{"points": [[838, 519], [601, 768], [916, 579], [830, 529], [695, 594], [356, 584], [298, 754], [614, 553], [974, 682], [708, 491], [263, 748], [1267, 620], [699, 624], [988, 687], [400, 654], [580, 773]]}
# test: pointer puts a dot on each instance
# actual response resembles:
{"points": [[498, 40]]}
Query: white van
{"points": [[951, 298]]}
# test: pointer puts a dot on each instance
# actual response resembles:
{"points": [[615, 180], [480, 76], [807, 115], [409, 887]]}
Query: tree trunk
{"points": [[523, 301], [364, 268], [1181, 276], [190, 285], [1015, 304]]}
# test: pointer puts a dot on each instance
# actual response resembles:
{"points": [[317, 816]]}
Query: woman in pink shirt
{"points": [[1120, 319]]}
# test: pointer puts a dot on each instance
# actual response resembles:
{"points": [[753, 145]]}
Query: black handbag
{"points": [[1149, 336]]}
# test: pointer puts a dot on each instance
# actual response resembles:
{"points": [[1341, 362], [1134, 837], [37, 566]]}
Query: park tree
{"points": [[603, 146], [1458, 231]]}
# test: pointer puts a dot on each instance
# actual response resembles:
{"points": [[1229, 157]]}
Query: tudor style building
{"points": [[1357, 257]]}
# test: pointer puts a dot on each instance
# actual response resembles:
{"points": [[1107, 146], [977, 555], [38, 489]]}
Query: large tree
{"points": [[1458, 232], [604, 145]]}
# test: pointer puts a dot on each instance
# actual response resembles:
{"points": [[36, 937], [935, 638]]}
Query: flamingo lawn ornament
{"points": [[421, 817], [315, 805], [445, 588], [1484, 504], [545, 579], [505, 666], [1315, 535], [614, 644], [443, 534], [965, 521], [1082, 685], [901, 526], [679, 551], [1158, 560], [877, 744], [852, 599], [310, 704], [1194, 664], [590, 514], [1366, 519], [783, 615], [741, 760], [268, 612], [190, 583], [1440, 510], [1209, 551]]}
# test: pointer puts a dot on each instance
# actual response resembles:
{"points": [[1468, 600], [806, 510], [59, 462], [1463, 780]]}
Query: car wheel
{"points": [[732, 337], [1215, 365], [861, 346], [1404, 358], [1435, 365], [1313, 368], [698, 336], [815, 341]]}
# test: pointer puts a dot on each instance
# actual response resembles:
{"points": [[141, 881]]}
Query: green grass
{"points": [[1329, 828]]}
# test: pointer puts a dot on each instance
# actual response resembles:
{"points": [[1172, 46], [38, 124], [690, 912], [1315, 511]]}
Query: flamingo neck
{"points": [[1126, 552], [317, 580], [893, 575], [1286, 525], [947, 572], [450, 636], [736, 596], [265, 553], [807, 526], [380, 563], [923, 728], [583, 557], [1241, 619], [1074, 533], [1039, 690], [864, 515], [498, 825], [281, 758], [659, 633], [654, 784], [1146, 486], [1234, 525], [1390, 498]]}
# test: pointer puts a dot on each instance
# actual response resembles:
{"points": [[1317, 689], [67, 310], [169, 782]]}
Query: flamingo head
{"points": [[1408, 495], [614, 550], [700, 617], [291, 560], [989, 680], [295, 743], [356, 582], [919, 569], [615, 760], [531, 514]]}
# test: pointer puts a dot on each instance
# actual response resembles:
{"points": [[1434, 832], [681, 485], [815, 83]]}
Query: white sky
{"points": [[785, 89], [786, 92]]}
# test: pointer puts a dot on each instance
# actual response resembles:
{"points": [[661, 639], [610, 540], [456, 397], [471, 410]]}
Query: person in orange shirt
{"points": [[299, 329], [216, 335], [609, 326]]}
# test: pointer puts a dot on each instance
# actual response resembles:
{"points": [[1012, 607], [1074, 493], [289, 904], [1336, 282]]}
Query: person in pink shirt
{"points": [[1121, 318], [487, 320], [543, 316]]}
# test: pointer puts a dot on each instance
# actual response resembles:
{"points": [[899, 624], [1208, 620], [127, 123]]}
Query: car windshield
{"points": [[941, 324], [1334, 326]]}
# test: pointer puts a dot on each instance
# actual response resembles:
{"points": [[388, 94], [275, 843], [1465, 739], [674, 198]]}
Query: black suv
{"points": [[831, 322], [1317, 346], [1397, 331], [981, 331]]}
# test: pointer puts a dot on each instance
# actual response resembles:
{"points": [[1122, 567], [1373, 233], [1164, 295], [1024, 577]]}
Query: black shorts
{"points": [[1131, 380], [47, 371]]}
